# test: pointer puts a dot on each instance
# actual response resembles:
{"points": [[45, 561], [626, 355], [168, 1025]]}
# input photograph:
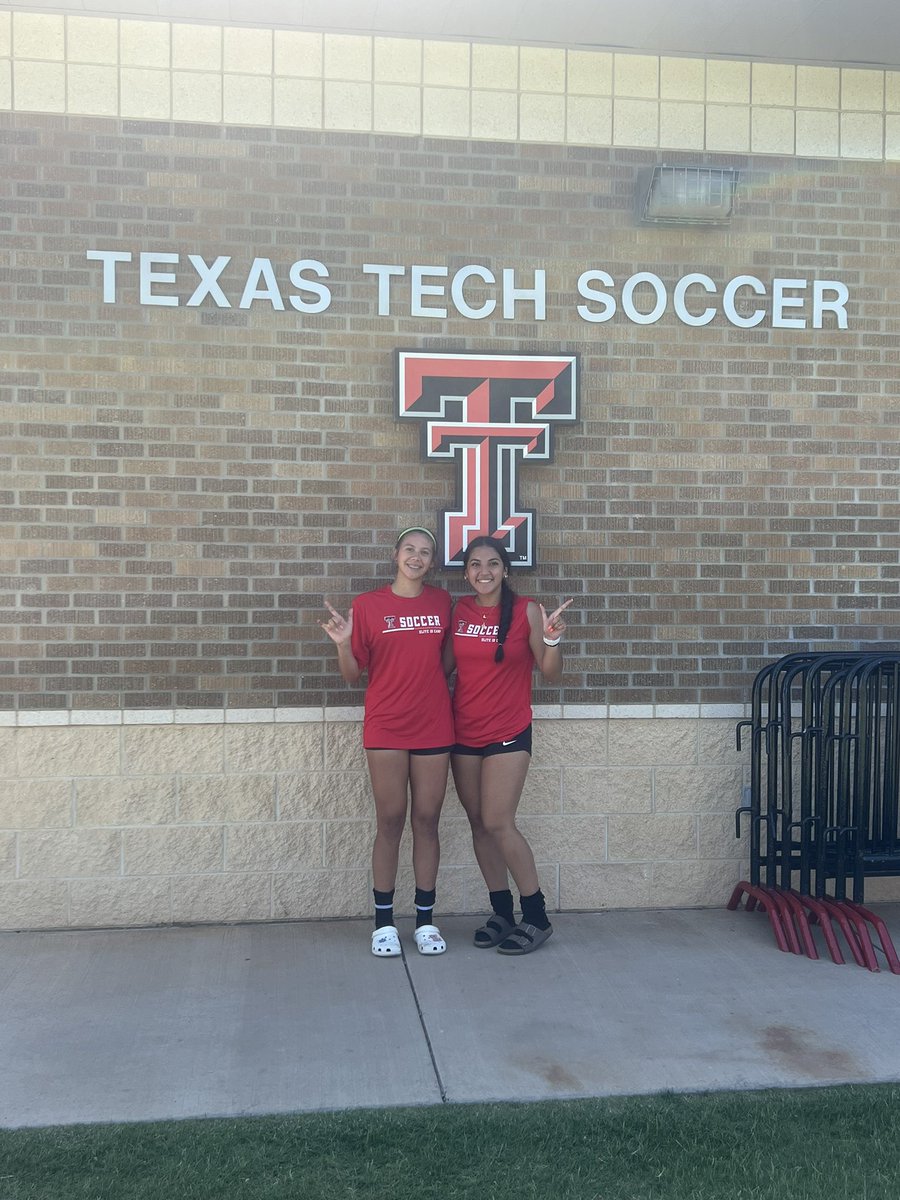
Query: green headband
{"points": [[416, 529]]}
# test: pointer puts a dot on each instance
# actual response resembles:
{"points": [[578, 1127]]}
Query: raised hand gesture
{"points": [[554, 626], [337, 627]]}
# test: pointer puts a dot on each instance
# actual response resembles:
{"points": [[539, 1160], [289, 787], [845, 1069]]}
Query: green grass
{"points": [[825, 1144]]}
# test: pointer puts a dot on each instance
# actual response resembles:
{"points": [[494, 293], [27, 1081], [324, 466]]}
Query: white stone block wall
{"points": [[160, 70], [269, 819]]}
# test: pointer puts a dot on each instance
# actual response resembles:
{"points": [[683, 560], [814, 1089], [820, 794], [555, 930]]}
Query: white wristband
{"points": [[556, 642]]}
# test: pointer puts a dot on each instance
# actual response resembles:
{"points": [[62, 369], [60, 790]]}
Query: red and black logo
{"points": [[488, 412]]}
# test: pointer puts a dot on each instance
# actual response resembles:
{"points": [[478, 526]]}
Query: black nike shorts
{"points": [[522, 741]]}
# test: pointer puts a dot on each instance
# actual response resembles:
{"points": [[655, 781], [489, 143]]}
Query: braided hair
{"points": [[507, 595]]}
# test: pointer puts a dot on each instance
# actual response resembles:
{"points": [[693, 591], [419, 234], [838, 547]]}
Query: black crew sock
{"points": [[384, 908], [534, 911], [424, 907], [502, 904]]}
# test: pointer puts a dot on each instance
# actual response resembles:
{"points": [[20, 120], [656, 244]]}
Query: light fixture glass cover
{"points": [[690, 195]]}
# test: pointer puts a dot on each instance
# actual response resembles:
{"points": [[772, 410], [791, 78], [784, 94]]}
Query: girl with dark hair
{"points": [[397, 635], [498, 640]]}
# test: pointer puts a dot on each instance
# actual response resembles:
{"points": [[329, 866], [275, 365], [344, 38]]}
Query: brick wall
{"points": [[183, 486]]}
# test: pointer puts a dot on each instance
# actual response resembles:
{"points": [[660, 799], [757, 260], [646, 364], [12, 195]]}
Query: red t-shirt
{"points": [[399, 641], [491, 701]]}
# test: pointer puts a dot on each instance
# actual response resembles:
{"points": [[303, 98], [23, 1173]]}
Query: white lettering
{"points": [[608, 303], [208, 280], [420, 289], [628, 305], [537, 293], [678, 300], [459, 300], [149, 277], [838, 305], [436, 291], [109, 258], [731, 312], [261, 270], [319, 290], [384, 271], [780, 302]]}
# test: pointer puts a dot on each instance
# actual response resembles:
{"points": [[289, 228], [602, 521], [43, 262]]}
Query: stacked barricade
{"points": [[824, 799]]}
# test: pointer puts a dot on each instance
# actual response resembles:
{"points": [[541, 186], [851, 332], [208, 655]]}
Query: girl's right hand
{"points": [[337, 627]]}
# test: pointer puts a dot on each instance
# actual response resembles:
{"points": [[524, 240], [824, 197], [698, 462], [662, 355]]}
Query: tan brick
{"points": [[348, 843], [179, 850], [718, 744], [879, 891], [324, 794], [46, 753], [717, 838], [99, 903], [606, 791], [34, 905], [7, 855], [9, 763], [217, 898], [566, 743], [461, 889], [597, 886], [694, 884], [284, 846], [542, 791], [181, 747], [299, 747], [343, 746], [652, 742], [70, 854], [654, 836], [697, 789], [566, 839], [27, 805], [262, 748], [148, 800], [211, 798], [456, 840], [322, 894]]}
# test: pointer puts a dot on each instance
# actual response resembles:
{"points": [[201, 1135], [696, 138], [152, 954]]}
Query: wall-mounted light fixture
{"points": [[689, 196]]}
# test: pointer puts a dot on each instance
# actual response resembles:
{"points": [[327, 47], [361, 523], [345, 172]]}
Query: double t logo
{"points": [[488, 412]]}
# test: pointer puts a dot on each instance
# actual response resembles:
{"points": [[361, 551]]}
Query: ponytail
{"points": [[507, 597]]}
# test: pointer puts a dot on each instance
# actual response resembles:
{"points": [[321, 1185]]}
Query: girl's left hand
{"points": [[554, 625]]}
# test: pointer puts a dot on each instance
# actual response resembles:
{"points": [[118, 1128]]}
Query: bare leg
{"points": [[467, 775], [428, 784], [389, 772], [502, 780]]}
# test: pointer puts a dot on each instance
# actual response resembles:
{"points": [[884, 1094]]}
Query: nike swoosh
{"points": [[509, 743]]}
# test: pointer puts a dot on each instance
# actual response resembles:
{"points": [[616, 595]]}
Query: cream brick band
{"points": [[50, 718], [161, 71]]}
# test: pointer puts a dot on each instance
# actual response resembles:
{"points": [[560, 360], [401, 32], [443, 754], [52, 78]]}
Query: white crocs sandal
{"points": [[386, 942], [429, 940]]}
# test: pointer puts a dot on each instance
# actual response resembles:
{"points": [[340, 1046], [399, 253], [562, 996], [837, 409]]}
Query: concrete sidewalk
{"points": [[134, 1025]]}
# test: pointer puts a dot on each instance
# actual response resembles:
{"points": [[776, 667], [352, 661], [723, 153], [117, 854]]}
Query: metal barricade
{"points": [[823, 805]]}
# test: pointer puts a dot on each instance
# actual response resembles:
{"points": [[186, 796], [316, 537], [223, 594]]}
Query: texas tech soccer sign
{"points": [[488, 413]]}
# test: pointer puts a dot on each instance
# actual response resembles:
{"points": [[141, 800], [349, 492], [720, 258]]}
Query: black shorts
{"points": [[522, 741]]}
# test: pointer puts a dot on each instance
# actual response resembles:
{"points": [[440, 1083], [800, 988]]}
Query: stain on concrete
{"points": [[801, 1051], [554, 1074]]}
